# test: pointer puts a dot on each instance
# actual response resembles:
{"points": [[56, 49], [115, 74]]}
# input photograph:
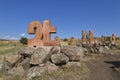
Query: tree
{"points": [[108, 38], [65, 39], [117, 38], [23, 40]]}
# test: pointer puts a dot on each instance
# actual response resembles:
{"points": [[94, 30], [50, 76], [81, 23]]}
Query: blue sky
{"points": [[69, 16]]}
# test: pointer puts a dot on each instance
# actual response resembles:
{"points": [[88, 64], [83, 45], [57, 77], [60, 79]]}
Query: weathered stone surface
{"points": [[113, 46], [19, 71], [42, 34], [7, 65], [26, 51], [92, 50], [107, 48], [84, 44], [76, 50], [51, 67], [86, 51], [47, 48], [39, 71], [104, 50], [35, 71], [71, 55], [12, 61], [101, 49], [79, 51], [1, 66], [25, 64], [52, 51], [117, 69], [72, 65], [38, 56], [59, 59], [13, 58]]}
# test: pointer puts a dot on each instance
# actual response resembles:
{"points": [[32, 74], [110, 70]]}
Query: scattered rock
{"points": [[107, 48], [48, 48], [27, 52], [1, 66], [51, 67], [53, 50], [77, 50], [59, 59], [72, 65], [85, 51], [35, 71], [32, 61], [12, 59], [71, 55], [117, 69], [101, 49], [25, 64], [38, 56], [19, 71], [39, 71]]}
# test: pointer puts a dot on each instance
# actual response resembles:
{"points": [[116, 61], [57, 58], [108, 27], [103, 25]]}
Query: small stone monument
{"points": [[91, 39], [103, 38], [87, 37], [42, 34], [113, 37]]}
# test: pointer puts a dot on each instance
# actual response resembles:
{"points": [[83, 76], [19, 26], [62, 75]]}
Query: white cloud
{"points": [[23, 34], [12, 37], [9, 37]]}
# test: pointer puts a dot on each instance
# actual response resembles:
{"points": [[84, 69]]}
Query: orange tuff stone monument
{"points": [[85, 36], [42, 34], [88, 37], [56, 38], [91, 39], [113, 37], [103, 38]]}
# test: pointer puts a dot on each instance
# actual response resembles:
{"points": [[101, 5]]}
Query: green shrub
{"points": [[23, 40]]}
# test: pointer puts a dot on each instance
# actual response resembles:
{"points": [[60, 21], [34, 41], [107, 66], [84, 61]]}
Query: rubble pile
{"points": [[30, 62], [100, 48]]}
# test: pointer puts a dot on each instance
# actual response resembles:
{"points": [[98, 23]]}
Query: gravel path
{"points": [[102, 67]]}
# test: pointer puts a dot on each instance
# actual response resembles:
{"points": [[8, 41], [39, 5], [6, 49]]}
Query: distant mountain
{"points": [[7, 40], [4, 40]]}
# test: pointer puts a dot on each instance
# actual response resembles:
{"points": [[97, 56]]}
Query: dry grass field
{"points": [[92, 69], [9, 47]]}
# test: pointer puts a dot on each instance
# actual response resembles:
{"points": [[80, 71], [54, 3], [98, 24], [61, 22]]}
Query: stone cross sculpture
{"points": [[83, 36], [87, 37], [103, 38], [91, 39], [113, 37], [42, 34]]}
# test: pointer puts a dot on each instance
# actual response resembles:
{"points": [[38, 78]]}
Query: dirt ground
{"points": [[102, 67]]}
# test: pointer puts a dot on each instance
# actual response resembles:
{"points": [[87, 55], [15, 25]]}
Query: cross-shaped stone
{"points": [[42, 34], [47, 30]]}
